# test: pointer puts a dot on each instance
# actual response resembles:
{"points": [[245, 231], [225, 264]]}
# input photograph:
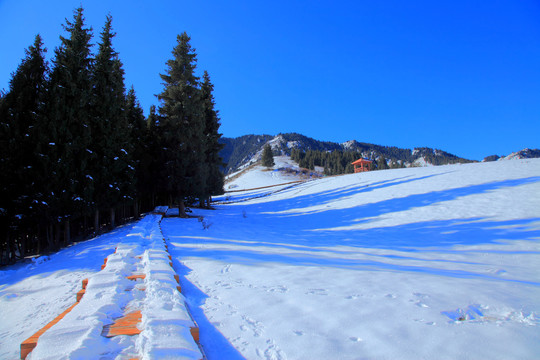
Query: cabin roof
{"points": [[362, 161]]}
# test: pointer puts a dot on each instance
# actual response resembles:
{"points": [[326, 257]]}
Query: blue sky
{"points": [[462, 76]]}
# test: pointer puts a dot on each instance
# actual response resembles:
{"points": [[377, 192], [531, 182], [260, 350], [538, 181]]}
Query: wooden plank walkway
{"points": [[130, 323]]}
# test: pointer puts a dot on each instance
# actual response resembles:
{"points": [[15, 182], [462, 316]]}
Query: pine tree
{"points": [[381, 163], [213, 162], [150, 160], [137, 124], [21, 109], [267, 156], [68, 128], [111, 165], [182, 126]]}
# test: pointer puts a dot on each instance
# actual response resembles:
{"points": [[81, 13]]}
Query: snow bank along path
{"points": [[132, 308]]}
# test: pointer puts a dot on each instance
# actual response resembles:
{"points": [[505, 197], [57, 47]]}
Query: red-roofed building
{"points": [[362, 165]]}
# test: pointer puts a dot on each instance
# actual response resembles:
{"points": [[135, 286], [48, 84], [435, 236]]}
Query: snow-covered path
{"points": [[424, 263], [138, 278]]}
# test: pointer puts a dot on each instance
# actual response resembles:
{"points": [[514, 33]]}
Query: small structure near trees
{"points": [[362, 165]]}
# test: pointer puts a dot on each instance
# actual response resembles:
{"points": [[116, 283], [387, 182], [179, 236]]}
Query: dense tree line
{"points": [[77, 153], [338, 162]]}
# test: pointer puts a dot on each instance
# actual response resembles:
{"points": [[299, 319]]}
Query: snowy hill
{"points": [[523, 154], [416, 263], [246, 150], [518, 155]]}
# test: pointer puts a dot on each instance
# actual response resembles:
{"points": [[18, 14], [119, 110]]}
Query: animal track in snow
{"points": [[273, 352], [418, 301], [254, 325], [278, 289], [317, 292], [223, 285]]}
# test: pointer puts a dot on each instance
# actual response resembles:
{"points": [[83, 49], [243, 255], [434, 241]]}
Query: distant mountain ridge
{"points": [[522, 154], [247, 149]]}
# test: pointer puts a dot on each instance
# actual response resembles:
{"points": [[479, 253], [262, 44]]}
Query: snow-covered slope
{"points": [[417, 263], [284, 170], [522, 154]]}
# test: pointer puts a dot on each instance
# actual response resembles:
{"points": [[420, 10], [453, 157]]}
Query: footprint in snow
{"points": [[273, 352], [279, 289], [226, 269], [317, 292]]}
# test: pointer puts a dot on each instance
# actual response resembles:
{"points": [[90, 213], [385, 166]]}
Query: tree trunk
{"points": [[181, 208], [22, 246], [67, 232], [57, 236], [136, 209], [38, 240], [96, 221], [50, 240], [113, 218], [8, 243]]}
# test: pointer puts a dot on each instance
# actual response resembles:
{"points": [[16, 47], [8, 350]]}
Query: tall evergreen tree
{"points": [[381, 163], [213, 162], [182, 125], [149, 161], [111, 165], [68, 127], [267, 156], [21, 109], [138, 135]]}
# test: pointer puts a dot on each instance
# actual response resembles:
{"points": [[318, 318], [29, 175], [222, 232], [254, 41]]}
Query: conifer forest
{"points": [[77, 154]]}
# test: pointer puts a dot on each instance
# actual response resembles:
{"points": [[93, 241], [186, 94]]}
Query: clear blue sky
{"points": [[461, 75]]}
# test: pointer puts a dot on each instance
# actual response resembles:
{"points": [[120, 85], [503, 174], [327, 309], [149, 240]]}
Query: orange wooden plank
{"points": [[84, 283], [126, 325], [29, 344], [195, 333], [136, 276], [80, 294]]}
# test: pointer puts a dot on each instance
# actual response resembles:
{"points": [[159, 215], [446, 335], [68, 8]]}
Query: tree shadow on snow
{"points": [[86, 256], [214, 344], [296, 243]]}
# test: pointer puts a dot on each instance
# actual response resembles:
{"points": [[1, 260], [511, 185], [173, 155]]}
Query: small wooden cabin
{"points": [[362, 165]]}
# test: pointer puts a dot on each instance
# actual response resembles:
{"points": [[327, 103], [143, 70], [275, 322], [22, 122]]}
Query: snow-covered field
{"points": [[418, 263]]}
